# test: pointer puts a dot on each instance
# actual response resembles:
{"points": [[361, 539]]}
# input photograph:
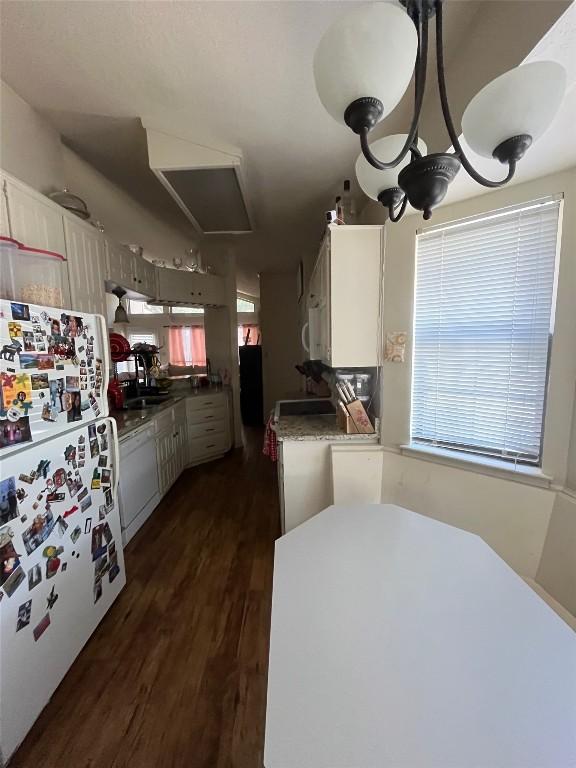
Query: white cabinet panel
{"points": [[344, 297], [85, 251], [190, 288], [118, 264], [34, 222]]}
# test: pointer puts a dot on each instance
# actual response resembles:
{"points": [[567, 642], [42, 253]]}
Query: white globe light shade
{"points": [[370, 51], [374, 181], [524, 100]]}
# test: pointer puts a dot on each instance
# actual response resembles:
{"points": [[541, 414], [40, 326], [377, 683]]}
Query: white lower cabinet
{"points": [[208, 424]]}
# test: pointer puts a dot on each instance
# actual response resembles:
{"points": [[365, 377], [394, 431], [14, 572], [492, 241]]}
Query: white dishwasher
{"points": [[139, 492]]}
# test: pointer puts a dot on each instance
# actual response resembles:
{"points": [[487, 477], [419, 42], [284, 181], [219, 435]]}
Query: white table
{"points": [[400, 642]]}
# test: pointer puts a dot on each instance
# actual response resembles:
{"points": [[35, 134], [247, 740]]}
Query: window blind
{"points": [[482, 330], [142, 338]]}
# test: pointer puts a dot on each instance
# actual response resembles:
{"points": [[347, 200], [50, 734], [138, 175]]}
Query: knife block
{"points": [[345, 421]]}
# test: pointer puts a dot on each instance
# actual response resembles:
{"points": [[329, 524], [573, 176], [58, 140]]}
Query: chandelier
{"points": [[364, 64]]}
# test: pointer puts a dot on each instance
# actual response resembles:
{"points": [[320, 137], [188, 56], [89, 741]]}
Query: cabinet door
{"points": [[34, 222], [85, 251], [145, 277], [118, 264]]}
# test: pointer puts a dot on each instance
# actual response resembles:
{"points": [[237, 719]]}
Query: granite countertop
{"points": [[315, 428], [129, 420]]}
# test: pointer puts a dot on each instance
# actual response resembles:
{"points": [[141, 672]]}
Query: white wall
{"points": [[280, 327], [557, 569], [30, 148], [511, 517]]}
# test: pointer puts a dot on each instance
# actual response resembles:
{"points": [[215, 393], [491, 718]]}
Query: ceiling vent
{"points": [[204, 181]]}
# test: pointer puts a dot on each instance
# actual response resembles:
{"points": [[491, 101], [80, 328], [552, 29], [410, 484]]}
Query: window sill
{"points": [[481, 464]]}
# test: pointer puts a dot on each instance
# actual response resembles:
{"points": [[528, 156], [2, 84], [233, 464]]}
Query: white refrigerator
{"points": [[61, 560]]}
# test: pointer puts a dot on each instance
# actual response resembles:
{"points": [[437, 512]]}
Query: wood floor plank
{"points": [[175, 675]]}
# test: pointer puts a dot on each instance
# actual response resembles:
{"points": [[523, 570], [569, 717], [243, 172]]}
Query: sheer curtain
{"points": [[187, 345]]}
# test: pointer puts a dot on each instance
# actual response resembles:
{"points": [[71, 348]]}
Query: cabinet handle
{"points": [[209, 430], [212, 445]]}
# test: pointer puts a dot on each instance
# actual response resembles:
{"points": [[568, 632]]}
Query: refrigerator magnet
{"points": [[19, 311], [53, 562], [106, 478], [70, 511], [41, 627], [103, 460], [24, 615], [86, 503], [61, 526], [8, 500], [97, 590], [13, 581], [88, 525], [34, 576], [51, 599], [75, 535], [37, 533]]}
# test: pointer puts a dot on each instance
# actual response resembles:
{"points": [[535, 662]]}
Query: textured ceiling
{"points": [[238, 73]]}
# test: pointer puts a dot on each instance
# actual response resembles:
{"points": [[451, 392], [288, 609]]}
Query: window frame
{"points": [[450, 452]]}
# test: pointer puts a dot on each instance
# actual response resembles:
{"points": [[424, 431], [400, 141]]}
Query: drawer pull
{"points": [[212, 445], [210, 429]]}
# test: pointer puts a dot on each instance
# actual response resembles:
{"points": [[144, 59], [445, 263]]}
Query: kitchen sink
{"points": [[318, 407]]}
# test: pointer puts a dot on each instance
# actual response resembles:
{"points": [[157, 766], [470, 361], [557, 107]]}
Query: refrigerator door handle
{"points": [[106, 356], [116, 457]]}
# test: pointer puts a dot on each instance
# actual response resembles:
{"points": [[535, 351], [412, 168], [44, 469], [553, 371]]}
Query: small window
{"points": [[187, 310], [142, 338], [483, 318], [243, 305], [136, 307]]}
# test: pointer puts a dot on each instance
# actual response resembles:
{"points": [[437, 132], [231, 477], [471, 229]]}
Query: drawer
{"points": [[207, 428], [199, 402], [164, 420], [200, 447], [217, 413]]}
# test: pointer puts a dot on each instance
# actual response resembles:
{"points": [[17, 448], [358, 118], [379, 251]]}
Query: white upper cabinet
{"points": [[344, 298], [179, 286], [118, 264], [34, 220], [85, 251], [129, 270]]}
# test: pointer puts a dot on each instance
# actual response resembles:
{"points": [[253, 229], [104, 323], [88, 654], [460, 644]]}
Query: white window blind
{"points": [[482, 330]]}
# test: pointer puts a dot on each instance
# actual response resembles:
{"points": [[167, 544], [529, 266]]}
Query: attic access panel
{"points": [[213, 196]]}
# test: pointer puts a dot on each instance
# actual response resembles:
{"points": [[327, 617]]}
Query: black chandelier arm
{"points": [[459, 152], [410, 145], [400, 213]]}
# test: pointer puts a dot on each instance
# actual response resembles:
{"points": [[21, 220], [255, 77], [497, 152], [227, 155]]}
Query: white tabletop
{"points": [[400, 642]]}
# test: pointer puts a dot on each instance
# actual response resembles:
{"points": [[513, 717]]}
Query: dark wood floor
{"points": [[175, 675]]}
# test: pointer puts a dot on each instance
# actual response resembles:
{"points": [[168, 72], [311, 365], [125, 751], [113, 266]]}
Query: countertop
{"points": [[128, 421], [315, 428]]}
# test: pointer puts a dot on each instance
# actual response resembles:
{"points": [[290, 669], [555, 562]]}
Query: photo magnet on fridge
{"points": [[13, 581], [34, 576], [24, 615], [103, 460], [75, 535], [41, 627], [14, 330], [88, 525], [8, 500], [106, 477], [38, 532], [20, 311]]}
